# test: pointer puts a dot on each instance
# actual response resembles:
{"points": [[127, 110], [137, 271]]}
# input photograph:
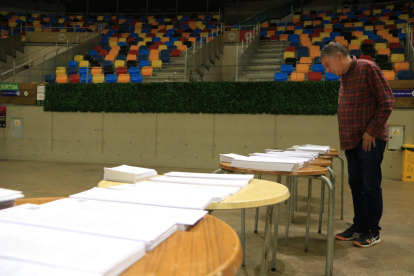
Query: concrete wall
{"points": [[229, 61], [171, 140]]}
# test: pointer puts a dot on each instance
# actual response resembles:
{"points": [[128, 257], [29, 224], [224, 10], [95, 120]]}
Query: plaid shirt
{"points": [[365, 103]]}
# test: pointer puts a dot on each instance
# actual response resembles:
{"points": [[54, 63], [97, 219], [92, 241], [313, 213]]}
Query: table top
{"points": [[257, 194], [332, 152], [211, 247], [305, 171], [321, 162]]}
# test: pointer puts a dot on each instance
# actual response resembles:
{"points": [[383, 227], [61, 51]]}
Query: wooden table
{"points": [[210, 247], [311, 172], [259, 193]]}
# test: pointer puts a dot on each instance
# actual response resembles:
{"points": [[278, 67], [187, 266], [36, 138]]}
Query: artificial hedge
{"points": [[293, 98]]}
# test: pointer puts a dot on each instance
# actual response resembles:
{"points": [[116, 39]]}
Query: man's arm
{"points": [[384, 97]]}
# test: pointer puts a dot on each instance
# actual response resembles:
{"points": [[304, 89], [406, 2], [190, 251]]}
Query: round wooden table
{"points": [[311, 172], [210, 247], [259, 193]]}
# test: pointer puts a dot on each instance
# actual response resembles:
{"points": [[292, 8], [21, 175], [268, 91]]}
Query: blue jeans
{"points": [[364, 170]]}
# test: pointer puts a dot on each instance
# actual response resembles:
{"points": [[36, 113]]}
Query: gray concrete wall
{"points": [[229, 61], [172, 140]]}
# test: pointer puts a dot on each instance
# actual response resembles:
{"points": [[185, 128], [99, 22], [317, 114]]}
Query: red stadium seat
{"points": [[175, 53], [274, 38], [367, 57], [314, 76], [121, 70], [74, 78], [290, 49]]}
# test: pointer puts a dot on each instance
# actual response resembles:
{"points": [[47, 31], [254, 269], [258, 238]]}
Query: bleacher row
{"points": [[378, 38]]}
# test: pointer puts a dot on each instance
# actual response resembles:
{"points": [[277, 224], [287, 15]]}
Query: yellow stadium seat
{"points": [[288, 55], [100, 18], [162, 47], [297, 76], [123, 78], [323, 34], [358, 24], [99, 78], [119, 63], [122, 39], [84, 63], [389, 74], [397, 58], [147, 71], [113, 43], [356, 41], [160, 35], [156, 64], [61, 78], [401, 66], [380, 46], [362, 37], [369, 28], [176, 43], [60, 70], [298, 32], [316, 39]]}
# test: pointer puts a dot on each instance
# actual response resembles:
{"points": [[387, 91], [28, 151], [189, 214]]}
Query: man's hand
{"points": [[367, 140]]}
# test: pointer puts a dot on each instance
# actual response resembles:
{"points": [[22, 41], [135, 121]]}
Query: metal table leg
{"points": [[308, 214], [342, 186], [293, 186], [256, 218], [296, 194], [221, 171], [332, 178], [288, 185], [268, 232], [275, 235], [243, 216], [330, 234]]}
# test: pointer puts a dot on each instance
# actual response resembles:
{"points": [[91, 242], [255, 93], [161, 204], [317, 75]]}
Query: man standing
{"points": [[364, 105]]}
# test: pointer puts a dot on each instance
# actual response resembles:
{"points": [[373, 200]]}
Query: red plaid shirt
{"points": [[365, 103]]}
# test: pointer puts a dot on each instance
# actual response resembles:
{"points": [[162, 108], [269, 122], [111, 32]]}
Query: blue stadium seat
{"points": [[111, 78], [84, 71], [331, 77], [398, 51], [121, 57], [280, 77], [72, 64], [136, 78], [143, 63], [50, 78], [326, 40], [317, 60], [286, 68], [405, 75], [99, 58], [86, 78], [355, 53], [93, 53], [335, 34], [318, 68], [107, 63], [294, 38], [133, 71], [401, 36]]}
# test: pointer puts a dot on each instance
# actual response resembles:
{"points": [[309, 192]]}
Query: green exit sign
{"points": [[9, 86]]}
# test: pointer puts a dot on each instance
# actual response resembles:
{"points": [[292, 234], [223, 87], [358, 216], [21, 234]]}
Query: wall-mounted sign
{"points": [[9, 86], [403, 93], [11, 93]]}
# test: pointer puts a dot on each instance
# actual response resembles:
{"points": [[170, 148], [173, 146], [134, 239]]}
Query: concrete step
{"points": [[269, 61], [268, 54], [258, 75], [157, 79], [263, 67]]}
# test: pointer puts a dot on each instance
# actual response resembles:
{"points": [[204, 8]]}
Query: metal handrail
{"points": [[253, 16], [250, 50]]}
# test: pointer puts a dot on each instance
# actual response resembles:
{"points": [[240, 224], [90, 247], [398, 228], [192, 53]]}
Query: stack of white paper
{"points": [[317, 149], [147, 229], [198, 202], [67, 250], [217, 193], [8, 197], [273, 150], [202, 181], [299, 159], [230, 176], [227, 158], [182, 217], [301, 154], [128, 174], [269, 164]]}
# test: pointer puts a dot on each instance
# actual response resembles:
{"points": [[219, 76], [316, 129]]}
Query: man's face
{"points": [[333, 65]]}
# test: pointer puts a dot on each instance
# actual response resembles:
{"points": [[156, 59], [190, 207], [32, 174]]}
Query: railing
{"points": [[35, 68], [245, 53], [199, 59], [409, 49]]}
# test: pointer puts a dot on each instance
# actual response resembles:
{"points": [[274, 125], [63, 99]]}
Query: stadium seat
{"points": [[297, 76], [286, 68], [405, 75], [305, 60], [50, 78], [381, 58], [385, 65], [75, 78], [331, 77], [385, 51], [156, 64], [288, 55], [318, 68], [60, 70], [84, 63], [119, 63], [98, 78], [401, 66], [78, 58], [143, 63], [96, 70], [397, 58], [147, 71], [121, 70], [314, 76], [367, 57], [302, 68], [123, 78], [280, 76], [86, 78], [136, 78], [61, 78], [111, 78], [389, 74]]}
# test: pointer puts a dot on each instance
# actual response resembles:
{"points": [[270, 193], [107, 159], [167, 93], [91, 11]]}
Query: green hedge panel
{"points": [[288, 98]]}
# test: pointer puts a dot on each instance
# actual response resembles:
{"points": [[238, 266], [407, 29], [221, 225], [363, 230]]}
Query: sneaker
{"points": [[367, 239], [349, 234]]}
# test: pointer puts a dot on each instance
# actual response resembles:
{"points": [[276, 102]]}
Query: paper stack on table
{"points": [[128, 174], [227, 158], [52, 250], [269, 164], [310, 148], [231, 176], [300, 159], [203, 181], [8, 197]]}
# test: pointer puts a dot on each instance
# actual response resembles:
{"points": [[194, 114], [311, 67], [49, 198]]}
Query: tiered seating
{"points": [[139, 48], [379, 38]]}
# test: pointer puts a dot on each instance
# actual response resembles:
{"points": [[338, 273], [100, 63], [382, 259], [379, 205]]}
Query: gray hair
{"points": [[332, 49]]}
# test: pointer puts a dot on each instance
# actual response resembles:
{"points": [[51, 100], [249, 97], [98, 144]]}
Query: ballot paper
{"points": [[13, 267], [217, 193], [269, 164], [227, 158], [79, 252], [7, 195], [311, 149], [182, 217], [201, 181], [227, 176], [198, 202], [305, 160], [128, 174], [147, 229]]}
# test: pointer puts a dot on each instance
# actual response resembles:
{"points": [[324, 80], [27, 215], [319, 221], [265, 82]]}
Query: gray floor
{"points": [[394, 256]]}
